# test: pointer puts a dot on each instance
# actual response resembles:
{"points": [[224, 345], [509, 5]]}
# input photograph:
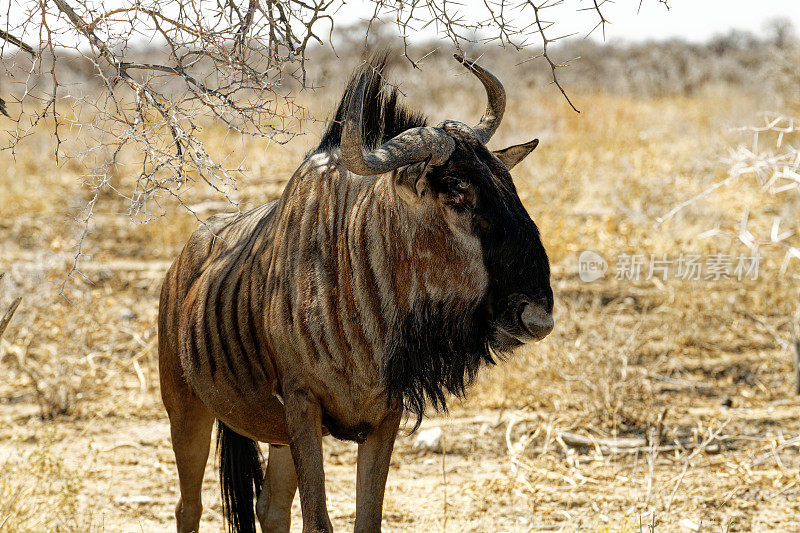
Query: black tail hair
{"points": [[383, 117], [240, 478]]}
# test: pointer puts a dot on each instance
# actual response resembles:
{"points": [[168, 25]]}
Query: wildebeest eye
{"points": [[460, 194]]}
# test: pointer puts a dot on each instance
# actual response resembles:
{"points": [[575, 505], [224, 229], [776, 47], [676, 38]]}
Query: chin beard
{"points": [[436, 353], [502, 341]]}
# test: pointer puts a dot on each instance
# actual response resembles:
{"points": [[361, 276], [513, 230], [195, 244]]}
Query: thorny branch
{"points": [[603, 20], [158, 69], [18, 42], [5, 319], [544, 54], [773, 161]]}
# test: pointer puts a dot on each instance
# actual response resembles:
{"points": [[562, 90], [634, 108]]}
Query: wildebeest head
{"points": [[449, 168]]}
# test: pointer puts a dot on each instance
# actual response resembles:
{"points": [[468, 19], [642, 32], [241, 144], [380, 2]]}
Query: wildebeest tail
{"points": [[240, 478]]}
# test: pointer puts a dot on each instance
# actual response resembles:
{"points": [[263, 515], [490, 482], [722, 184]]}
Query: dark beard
{"points": [[437, 351]]}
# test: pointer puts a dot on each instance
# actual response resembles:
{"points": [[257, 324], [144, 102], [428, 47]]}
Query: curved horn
{"points": [[411, 146], [497, 100]]}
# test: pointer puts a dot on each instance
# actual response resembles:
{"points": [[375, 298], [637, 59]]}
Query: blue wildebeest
{"points": [[398, 260]]}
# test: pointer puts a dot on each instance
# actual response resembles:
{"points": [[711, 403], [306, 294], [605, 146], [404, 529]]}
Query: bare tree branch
{"points": [[162, 72], [6, 318], [18, 42], [545, 42]]}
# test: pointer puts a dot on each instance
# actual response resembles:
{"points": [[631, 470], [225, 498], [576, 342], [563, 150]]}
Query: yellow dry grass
{"points": [[698, 371]]}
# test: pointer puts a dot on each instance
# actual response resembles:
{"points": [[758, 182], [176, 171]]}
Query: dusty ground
{"points": [[696, 375]]}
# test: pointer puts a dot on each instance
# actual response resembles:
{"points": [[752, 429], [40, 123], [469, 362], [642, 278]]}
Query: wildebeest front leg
{"points": [[304, 422], [274, 507], [374, 457]]}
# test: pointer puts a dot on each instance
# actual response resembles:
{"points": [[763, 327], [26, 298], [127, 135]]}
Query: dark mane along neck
{"points": [[437, 351], [383, 116]]}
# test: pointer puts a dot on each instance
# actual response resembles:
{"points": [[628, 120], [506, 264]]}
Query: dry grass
{"points": [[697, 371]]}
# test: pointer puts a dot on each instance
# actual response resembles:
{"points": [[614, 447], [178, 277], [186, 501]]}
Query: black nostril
{"points": [[536, 319]]}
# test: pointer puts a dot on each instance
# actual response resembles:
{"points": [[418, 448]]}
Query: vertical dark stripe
{"points": [[371, 282], [189, 339], [245, 355], [208, 345], [253, 320], [221, 321]]}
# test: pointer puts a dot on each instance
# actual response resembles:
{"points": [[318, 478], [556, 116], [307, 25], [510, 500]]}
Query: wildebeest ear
{"points": [[514, 154], [412, 182]]}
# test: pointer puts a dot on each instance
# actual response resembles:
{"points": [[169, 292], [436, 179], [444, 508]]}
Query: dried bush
{"points": [[767, 157], [35, 481], [160, 70], [765, 64], [6, 318]]}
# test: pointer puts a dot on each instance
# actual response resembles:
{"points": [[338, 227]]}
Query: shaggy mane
{"points": [[384, 117], [436, 352]]}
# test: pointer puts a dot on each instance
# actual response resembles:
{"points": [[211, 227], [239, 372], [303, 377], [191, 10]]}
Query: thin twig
{"points": [[545, 54], [4, 321], [18, 42], [796, 367], [444, 484]]}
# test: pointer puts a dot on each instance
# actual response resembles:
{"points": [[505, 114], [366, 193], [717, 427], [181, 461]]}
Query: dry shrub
{"points": [[772, 161], [38, 492], [72, 351]]}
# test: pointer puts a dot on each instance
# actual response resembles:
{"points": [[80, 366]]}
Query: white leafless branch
{"points": [[162, 71]]}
